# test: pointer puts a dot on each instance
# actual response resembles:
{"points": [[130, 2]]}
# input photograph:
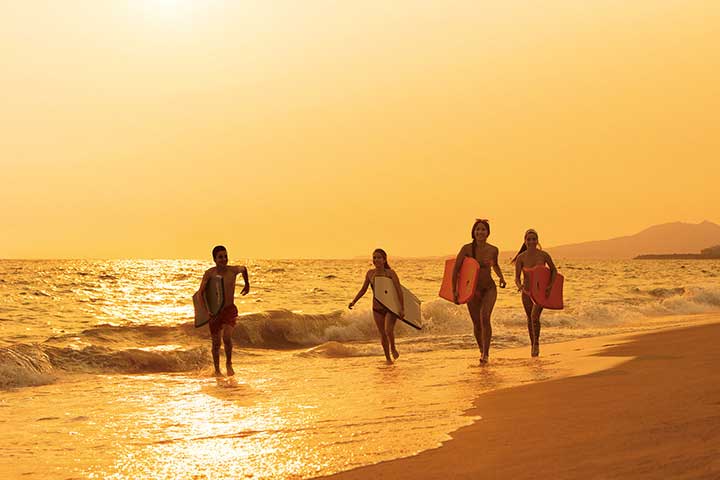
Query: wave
{"points": [[441, 317], [24, 365], [276, 329], [338, 350], [691, 300], [133, 360], [666, 292], [285, 329]]}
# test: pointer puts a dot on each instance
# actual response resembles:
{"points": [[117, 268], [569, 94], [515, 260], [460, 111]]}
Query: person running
{"points": [[384, 319], [529, 256], [482, 302], [222, 324]]}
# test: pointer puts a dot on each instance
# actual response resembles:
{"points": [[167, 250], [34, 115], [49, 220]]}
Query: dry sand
{"points": [[655, 415]]}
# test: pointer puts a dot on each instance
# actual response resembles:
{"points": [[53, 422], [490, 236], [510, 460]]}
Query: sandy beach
{"points": [[655, 414]]}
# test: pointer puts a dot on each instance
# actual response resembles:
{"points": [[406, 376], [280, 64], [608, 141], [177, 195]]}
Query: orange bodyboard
{"points": [[539, 279], [467, 279]]}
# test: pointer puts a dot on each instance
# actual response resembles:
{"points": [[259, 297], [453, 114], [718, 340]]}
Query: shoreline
{"points": [[636, 406]]}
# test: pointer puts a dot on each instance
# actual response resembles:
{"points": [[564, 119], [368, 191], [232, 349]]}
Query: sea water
{"points": [[102, 374]]}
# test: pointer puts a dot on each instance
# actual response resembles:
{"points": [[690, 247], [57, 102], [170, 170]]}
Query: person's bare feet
{"points": [[395, 354], [218, 373], [230, 370]]}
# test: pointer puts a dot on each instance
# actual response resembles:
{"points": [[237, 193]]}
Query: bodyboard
{"points": [[214, 299], [386, 294], [467, 279], [539, 278]]}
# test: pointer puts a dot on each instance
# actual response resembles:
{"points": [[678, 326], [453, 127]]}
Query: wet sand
{"points": [[654, 414]]}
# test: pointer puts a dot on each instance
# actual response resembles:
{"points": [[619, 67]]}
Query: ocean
{"points": [[103, 375]]}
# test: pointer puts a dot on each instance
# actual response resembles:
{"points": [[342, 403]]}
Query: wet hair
{"points": [[524, 246], [217, 249], [472, 232], [384, 255]]}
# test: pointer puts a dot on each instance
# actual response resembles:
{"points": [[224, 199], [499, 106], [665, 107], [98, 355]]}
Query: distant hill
{"points": [[665, 239], [711, 253]]}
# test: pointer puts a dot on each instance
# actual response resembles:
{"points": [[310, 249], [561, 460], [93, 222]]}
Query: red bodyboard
{"points": [[467, 279], [539, 278]]}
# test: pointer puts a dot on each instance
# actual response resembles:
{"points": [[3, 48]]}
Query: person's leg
{"points": [[215, 336], [487, 304], [227, 341], [528, 306], [379, 318], [474, 306], [535, 317], [390, 320]]}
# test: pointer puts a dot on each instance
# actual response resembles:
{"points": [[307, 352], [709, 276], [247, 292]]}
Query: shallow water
{"points": [[103, 376], [290, 415]]}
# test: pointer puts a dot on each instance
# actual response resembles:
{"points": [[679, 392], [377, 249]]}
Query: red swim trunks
{"points": [[227, 316]]}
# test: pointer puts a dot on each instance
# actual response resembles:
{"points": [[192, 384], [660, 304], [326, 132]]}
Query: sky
{"points": [[324, 129]]}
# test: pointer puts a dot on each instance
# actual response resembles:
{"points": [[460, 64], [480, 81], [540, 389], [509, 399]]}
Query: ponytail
{"points": [[522, 249]]}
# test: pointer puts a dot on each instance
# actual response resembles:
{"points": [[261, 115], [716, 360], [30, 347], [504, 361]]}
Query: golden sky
{"points": [[282, 129]]}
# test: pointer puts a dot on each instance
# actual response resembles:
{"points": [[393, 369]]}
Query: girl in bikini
{"points": [[529, 256], [481, 304], [384, 319]]}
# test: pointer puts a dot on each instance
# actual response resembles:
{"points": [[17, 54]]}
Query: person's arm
{"points": [[362, 291], [553, 273], [518, 271], [456, 271], [243, 270], [496, 267], [398, 289]]}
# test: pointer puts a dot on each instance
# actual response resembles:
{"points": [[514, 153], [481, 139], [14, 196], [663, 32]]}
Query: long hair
{"points": [[524, 245], [384, 255], [472, 232]]}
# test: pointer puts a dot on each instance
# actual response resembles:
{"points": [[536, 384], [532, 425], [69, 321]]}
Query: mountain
{"points": [[668, 238]]}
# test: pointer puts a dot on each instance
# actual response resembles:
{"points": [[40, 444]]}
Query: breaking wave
{"points": [[285, 329], [37, 364], [337, 334]]}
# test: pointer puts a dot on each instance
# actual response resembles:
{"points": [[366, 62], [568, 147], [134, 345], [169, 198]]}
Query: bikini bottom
{"points": [[381, 309], [480, 292]]}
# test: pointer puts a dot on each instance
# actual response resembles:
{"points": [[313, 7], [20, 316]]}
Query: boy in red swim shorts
{"points": [[222, 324]]}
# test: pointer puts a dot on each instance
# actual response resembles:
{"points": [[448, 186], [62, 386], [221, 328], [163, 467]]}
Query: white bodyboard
{"points": [[385, 293], [214, 299]]}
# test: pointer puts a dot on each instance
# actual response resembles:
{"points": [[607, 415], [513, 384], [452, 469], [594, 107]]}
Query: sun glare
{"points": [[167, 10]]}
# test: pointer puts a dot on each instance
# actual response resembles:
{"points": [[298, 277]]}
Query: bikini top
{"points": [[527, 269], [485, 263]]}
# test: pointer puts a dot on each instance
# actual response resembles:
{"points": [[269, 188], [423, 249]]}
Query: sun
{"points": [[166, 4], [168, 9]]}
